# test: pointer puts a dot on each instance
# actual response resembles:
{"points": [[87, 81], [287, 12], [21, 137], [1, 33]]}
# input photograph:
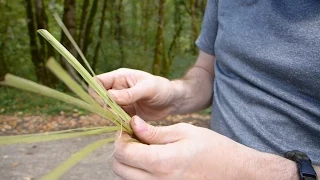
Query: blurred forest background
{"points": [[156, 36]]}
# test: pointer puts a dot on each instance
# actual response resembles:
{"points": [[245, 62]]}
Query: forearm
{"points": [[268, 166], [193, 92]]}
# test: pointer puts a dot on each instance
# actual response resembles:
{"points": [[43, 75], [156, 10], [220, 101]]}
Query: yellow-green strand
{"points": [[58, 71], [87, 77], [54, 132], [33, 138], [73, 42], [24, 84], [64, 167]]}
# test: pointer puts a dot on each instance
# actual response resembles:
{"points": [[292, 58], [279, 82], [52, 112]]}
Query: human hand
{"points": [[179, 151], [139, 93]]}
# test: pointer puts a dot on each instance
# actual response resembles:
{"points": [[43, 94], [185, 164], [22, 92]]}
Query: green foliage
{"points": [[21, 102], [129, 42], [139, 26]]}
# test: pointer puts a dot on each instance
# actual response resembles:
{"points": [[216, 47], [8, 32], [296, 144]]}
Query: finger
{"points": [[125, 97], [135, 154], [108, 79], [129, 173], [158, 135]]}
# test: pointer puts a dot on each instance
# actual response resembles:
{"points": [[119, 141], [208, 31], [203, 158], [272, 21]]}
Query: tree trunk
{"points": [[85, 7], [88, 28], [174, 43], [36, 60], [178, 23], [160, 63], [69, 20], [194, 26], [42, 23], [101, 26], [134, 20], [45, 50], [119, 30], [112, 19], [177, 16], [3, 66], [146, 13]]}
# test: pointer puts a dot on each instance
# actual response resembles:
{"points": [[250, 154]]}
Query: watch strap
{"points": [[304, 164]]}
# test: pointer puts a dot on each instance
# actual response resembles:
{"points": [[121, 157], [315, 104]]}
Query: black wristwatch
{"points": [[304, 164]]}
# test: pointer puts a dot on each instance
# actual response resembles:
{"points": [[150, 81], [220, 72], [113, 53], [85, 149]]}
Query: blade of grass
{"points": [[69, 82], [73, 42], [76, 88], [61, 169], [52, 132], [6, 140], [88, 78], [57, 70], [24, 84]]}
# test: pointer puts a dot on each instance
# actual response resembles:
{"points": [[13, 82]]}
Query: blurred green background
{"points": [[156, 36]]}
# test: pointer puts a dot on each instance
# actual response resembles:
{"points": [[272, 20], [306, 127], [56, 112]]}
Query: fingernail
{"points": [[140, 125]]}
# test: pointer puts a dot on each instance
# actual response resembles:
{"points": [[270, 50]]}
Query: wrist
{"points": [[178, 96], [317, 169], [261, 165], [277, 167]]}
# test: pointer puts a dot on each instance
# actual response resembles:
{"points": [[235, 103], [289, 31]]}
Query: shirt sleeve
{"points": [[207, 37]]}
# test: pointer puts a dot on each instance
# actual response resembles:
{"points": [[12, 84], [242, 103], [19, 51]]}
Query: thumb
{"points": [[155, 135], [125, 97]]}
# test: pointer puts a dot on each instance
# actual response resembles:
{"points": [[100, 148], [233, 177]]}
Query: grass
{"points": [[13, 101]]}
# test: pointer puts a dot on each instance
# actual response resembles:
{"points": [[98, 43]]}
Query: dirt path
{"points": [[26, 124], [32, 161]]}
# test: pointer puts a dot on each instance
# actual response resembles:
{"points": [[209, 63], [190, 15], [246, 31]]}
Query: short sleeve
{"points": [[207, 37]]}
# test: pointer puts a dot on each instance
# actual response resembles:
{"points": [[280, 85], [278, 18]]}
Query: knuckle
{"points": [[182, 126], [118, 150], [159, 162], [116, 168], [130, 96], [121, 152], [159, 166], [113, 95], [122, 69], [153, 132]]}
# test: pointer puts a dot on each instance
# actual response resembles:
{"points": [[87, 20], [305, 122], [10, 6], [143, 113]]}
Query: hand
{"points": [[184, 151], [139, 93], [179, 151]]}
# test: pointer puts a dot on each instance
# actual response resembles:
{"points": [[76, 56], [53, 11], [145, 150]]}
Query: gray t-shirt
{"points": [[267, 72]]}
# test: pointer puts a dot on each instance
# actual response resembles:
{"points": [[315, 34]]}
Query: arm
{"points": [[194, 91]]}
